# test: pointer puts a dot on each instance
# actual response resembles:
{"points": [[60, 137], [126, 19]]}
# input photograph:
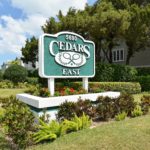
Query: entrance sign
{"points": [[66, 55]]}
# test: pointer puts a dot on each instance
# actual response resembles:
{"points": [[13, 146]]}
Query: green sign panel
{"points": [[66, 55]]}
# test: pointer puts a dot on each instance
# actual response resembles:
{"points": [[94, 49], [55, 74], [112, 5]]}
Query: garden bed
{"points": [[51, 104]]}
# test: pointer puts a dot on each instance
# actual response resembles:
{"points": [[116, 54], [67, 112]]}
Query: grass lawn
{"points": [[9, 92], [131, 134]]}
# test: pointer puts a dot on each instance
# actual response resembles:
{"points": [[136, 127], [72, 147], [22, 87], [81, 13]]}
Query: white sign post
{"points": [[51, 86], [85, 83]]}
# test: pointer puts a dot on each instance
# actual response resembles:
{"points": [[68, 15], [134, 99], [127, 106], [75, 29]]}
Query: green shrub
{"points": [[144, 82], [1, 75], [33, 89], [137, 112], [51, 131], [120, 116], [124, 103], [15, 73], [67, 110], [104, 72], [128, 87], [32, 80], [145, 104], [83, 122], [143, 71], [19, 121], [47, 131], [105, 108], [124, 73], [69, 126], [6, 84], [44, 92], [114, 72]]}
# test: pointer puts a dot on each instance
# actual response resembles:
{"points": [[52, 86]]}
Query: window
{"points": [[118, 55]]}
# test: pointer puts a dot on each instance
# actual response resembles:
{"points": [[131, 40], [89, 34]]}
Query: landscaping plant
{"points": [[120, 116], [52, 130], [137, 111], [19, 122], [145, 104]]}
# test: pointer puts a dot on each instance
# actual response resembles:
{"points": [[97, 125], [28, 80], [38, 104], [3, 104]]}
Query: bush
{"points": [[120, 116], [19, 121], [124, 103], [114, 72], [105, 108], [32, 80], [33, 89], [128, 87], [144, 82], [104, 72], [47, 131], [1, 75], [145, 104], [6, 84], [67, 110], [143, 71], [44, 92], [124, 73], [137, 112], [51, 131], [15, 73]]}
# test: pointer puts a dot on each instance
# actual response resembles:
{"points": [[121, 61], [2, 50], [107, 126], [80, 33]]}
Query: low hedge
{"points": [[128, 87], [144, 82]]}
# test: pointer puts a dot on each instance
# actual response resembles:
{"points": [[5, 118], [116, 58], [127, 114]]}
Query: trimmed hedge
{"points": [[144, 82], [128, 87]]}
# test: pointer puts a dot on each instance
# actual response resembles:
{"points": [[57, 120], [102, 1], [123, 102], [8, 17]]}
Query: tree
{"points": [[16, 73], [30, 51], [138, 34]]}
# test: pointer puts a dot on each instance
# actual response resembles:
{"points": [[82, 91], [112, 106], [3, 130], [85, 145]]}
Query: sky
{"points": [[21, 19]]}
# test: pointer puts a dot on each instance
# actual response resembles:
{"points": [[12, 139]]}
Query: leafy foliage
{"points": [[19, 121], [128, 87], [137, 111], [120, 116], [114, 72], [67, 110], [15, 73], [124, 103], [144, 82], [145, 104], [47, 131], [51, 131], [107, 108], [30, 51]]}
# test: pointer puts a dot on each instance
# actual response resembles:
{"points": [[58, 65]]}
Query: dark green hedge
{"points": [[144, 82], [143, 71], [114, 72]]}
